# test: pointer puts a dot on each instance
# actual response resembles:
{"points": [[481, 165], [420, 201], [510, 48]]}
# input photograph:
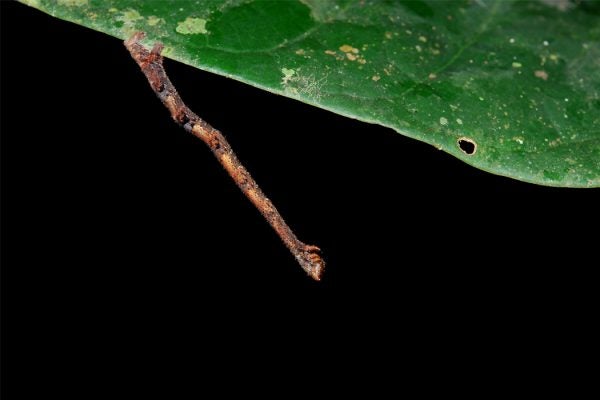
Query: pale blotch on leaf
{"points": [[192, 26], [129, 18], [154, 20], [443, 121], [561, 5], [32, 3], [302, 84], [72, 3], [287, 75]]}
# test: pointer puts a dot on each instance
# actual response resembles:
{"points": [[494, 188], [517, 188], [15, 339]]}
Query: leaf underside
{"points": [[514, 83]]}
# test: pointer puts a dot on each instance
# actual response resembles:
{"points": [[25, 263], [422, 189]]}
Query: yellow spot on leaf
{"points": [[351, 54], [348, 49], [541, 74], [376, 78]]}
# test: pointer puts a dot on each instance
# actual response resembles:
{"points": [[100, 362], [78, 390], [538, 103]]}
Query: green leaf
{"points": [[514, 83]]}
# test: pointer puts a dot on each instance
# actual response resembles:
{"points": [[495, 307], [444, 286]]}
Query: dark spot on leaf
{"points": [[589, 6], [468, 146], [418, 7], [423, 90], [554, 176]]}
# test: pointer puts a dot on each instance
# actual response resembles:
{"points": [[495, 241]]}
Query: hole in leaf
{"points": [[468, 146]]}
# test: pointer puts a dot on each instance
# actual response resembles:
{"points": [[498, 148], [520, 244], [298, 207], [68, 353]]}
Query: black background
{"points": [[120, 224], [101, 184]]}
